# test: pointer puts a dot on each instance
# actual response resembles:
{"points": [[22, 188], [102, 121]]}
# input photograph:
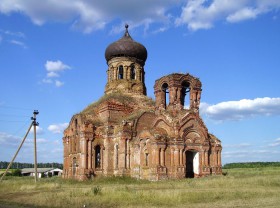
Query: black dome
{"points": [[127, 47]]}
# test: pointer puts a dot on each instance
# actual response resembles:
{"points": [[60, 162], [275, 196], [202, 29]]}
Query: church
{"points": [[126, 133]]}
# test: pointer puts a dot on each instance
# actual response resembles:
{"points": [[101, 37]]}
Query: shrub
{"points": [[96, 190], [16, 172]]}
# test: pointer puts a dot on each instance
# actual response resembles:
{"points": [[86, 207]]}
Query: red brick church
{"points": [[126, 133]]}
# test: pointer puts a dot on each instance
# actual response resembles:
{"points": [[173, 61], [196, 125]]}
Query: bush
{"points": [[16, 172], [96, 190]]}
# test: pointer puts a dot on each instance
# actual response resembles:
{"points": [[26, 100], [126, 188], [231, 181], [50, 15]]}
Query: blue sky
{"points": [[52, 60]]}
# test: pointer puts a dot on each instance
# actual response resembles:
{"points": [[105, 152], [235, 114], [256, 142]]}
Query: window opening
{"points": [[132, 74], [184, 92], [97, 157], [74, 166], [146, 159], [120, 72], [166, 91]]}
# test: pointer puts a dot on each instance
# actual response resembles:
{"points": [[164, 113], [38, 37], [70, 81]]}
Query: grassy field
{"points": [[250, 187]]}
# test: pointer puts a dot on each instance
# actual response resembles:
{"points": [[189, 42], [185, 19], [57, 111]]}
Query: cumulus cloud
{"points": [[91, 15], [39, 130], [56, 66], [57, 128], [238, 110], [54, 69], [203, 14]]}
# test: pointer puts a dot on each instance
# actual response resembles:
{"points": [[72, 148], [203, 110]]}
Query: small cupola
{"points": [[126, 47], [126, 59]]}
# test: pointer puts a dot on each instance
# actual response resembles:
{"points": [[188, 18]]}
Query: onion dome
{"points": [[126, 47]]}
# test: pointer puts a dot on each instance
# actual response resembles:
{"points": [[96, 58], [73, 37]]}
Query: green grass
{"points": [[251, 187]]}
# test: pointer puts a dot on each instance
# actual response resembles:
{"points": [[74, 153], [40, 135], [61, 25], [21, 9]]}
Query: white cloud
{"points": [[8, 139], [242, 109], [251, 155], [91, 15], [241, 145], [18, 43], [203, 14], [57, 128], [243, 14], [58, 83], [54, 68], [276, 143], [16, 34], [39, 130], [47, 81], [52, 74]]}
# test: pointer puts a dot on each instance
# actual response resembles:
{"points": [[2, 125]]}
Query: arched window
{"points": [[120, 71], [166, 91], [185, 89], [146, 159], [74, 165], [97, 157], [132, 74]]}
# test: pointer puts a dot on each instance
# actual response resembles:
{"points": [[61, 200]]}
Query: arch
{"points": [[191, 138], [120, 72], [144, 121], [165, 89], [184, 91], [162, 124], [97, 156]]}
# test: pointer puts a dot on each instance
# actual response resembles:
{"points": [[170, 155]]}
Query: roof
{"points": [[126, 47], [39, 170]]}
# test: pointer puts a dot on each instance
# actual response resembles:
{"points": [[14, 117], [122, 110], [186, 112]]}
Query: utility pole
{"points": [[16, 152], [35, 123]]}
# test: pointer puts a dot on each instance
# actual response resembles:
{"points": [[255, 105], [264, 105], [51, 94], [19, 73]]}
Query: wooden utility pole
{"points": [[34, 124], [35, 146], [17, 151]]}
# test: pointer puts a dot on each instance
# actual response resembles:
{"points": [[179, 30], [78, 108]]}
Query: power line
{"points": [[10, 121], [4, 114], [14, 107]]}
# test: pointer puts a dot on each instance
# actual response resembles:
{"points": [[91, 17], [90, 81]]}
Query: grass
{"points": [[252, 187]]}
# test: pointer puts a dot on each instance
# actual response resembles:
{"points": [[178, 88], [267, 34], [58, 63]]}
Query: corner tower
{"points": [[126, 59]]}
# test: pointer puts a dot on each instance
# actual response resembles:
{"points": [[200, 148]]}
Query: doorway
{"points": [[192, 163]]}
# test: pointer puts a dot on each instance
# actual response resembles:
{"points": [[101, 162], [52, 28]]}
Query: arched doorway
{"points": [[192, 163]]}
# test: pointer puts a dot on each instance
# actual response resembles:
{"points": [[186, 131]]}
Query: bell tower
{"points": [[126, 59]]}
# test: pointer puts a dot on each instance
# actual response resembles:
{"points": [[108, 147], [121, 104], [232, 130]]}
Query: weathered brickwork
{"points": [[126, 133]]}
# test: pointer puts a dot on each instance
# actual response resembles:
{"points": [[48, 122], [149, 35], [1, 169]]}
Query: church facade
{"points": [[125, 133]]}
